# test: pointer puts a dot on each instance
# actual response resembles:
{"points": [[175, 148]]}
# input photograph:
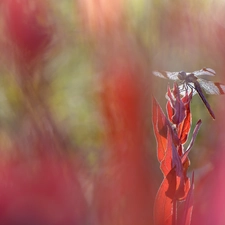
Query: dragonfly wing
{"points": [[212, 88], [199, 90], [167, 75], [205, 72]]}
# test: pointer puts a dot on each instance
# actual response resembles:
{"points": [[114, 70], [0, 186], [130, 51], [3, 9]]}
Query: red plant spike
{"points": [[171, 134]]}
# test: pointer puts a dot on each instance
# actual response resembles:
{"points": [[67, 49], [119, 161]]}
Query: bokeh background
{"points": [[76, 139]]}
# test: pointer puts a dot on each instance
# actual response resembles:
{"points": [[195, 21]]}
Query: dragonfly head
{"points": [[182, 75]]}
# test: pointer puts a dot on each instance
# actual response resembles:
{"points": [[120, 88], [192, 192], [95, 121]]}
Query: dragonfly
{"points": [[196, 81]]}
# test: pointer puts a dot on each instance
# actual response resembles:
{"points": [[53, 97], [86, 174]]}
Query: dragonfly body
{"points": [[188, 78], [193, 81]]}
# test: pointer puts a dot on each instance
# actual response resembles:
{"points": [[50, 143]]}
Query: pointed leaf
{"points": [[173, 162], [185, 126], [170, 110], [180, 181], [160, 125], [163, 206], [175, 106], [195, 132], [166, 163]]}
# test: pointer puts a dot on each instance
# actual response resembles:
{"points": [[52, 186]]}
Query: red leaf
{"points": [[185, 126], [166, 164], [195, 132], [175, 106], [162, 129], [180, 178], [164, 205], [182, 182], [187, 99], [166, 139], [172, 164], [170, 110], [160, 125], [174, 186]]}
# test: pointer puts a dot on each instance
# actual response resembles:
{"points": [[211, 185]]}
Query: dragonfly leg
{"points": [[183, 88]]}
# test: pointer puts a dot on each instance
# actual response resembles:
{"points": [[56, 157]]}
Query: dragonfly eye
{"points": [[182, 75]]}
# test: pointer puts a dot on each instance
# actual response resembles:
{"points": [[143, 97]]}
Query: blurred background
{"points": [[76, 139]]}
